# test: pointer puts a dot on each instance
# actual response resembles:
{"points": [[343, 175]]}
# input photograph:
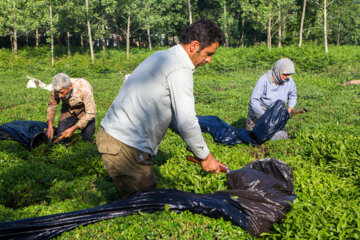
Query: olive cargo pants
{"points": [[130, 168]]}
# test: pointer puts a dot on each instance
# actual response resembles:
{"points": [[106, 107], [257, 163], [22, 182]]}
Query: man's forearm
{"points": [[83, 122], [75, 127]]}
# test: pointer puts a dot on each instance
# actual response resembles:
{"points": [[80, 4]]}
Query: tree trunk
{"points": [[302, 23], [242, 32], [15, 48], [51, 36], [283, 28], [148, 27], [149, 39], [15, 43], [68, 43], [12, 42], [37, 38], [225, 26], [279, 32], [89, 33], [103, 29], [117, 32], [190, 13], [27, 38], [128, 37], [269, 31], [82, 43], [325, 28]]}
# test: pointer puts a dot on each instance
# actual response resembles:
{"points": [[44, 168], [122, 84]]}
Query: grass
{"points": [[324, 149]]}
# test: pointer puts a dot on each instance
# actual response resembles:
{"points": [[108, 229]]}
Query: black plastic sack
{"points": [[273, 120], [265, 190], [30, 134], [259, 195]]}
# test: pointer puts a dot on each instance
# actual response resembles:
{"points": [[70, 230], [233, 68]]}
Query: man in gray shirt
{"points": [[157, 95]]}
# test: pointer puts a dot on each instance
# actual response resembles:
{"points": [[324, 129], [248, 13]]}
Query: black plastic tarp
{"points": [[273, 120], [28, 133], [258, 195]]}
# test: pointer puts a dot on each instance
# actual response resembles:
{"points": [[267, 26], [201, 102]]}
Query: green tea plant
{"points": [[323, 149]]}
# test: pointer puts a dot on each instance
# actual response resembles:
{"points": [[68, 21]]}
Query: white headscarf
{"points": [[282, 66]]}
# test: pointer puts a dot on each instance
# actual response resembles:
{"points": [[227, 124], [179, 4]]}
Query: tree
{"points": [[325, 28], [190, 13], [35, 19], [51, 34], [11, 19], [123, 14], [89, 31], [224, 20], [302, 23], [286, 13], [343, 22], [14, 15], [70, 20]]}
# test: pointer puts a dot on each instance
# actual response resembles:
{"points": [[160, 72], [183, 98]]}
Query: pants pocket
{"points": [[106, 144]]}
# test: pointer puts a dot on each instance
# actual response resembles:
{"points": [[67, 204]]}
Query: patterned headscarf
{"points": [[282, 66]]}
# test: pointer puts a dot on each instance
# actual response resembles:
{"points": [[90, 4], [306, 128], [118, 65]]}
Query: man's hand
{"points": [[210, 164], [50, 131], [70, 131], [289, 109]]}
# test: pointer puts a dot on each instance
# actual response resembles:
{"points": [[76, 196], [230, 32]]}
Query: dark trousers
{"points": [[86, 133]]}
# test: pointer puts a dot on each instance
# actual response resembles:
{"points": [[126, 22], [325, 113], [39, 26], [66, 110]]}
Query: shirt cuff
{"points": [[202, 153]]}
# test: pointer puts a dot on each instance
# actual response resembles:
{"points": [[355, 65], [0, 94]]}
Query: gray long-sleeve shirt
{"points": [[158, 92], [267, 92]]}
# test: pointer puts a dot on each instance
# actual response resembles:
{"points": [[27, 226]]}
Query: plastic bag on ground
{"points": [[30, 134], [265, 190], [258, 195], [273, 120]]}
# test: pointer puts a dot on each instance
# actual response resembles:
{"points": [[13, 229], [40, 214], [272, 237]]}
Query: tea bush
{"points": [[323, 150]]}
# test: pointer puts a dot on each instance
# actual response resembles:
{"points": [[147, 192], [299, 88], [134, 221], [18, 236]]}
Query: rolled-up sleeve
{"points": [[183, 108], [52, 105], [257, 94], [89, 108]]}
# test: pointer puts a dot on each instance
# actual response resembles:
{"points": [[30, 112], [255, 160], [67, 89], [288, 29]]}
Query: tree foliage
{"points": [[142, 23]]}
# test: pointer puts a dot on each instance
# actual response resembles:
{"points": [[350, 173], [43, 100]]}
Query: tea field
{"points": [[323, 149]]}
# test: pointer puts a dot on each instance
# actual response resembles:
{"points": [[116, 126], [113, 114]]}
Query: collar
{"points": [[71, 93], [185, 56]]}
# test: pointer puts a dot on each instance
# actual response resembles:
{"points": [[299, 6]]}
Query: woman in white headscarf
{"points": [[276, 84]]}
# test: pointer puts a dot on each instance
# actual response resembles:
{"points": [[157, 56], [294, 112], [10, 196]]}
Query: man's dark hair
{"points": [[204, 31]]}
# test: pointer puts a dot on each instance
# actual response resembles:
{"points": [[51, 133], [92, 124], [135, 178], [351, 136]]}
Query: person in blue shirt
{"points": [[276, 84]]}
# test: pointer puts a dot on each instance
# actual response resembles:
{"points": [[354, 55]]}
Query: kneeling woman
{"points": [[276, 84]]}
